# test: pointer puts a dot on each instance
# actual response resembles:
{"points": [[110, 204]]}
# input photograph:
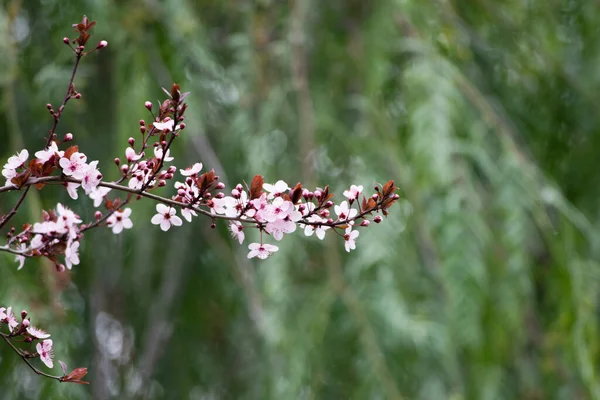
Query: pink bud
{"points": [[181, 192], [329, 204], [131, 141], [366, 222], [305, 193], [143, 129], [220, 186], [235, 194], [324, 213], [171, 169], [23, 314], [68, 137], [148, 105], [161, 183], [142, 122], [375, 196], [239, 187], [117, 161], [49, 106], [66, 40], [219, 195], [377, 219], [98, 215], [208, 195], [78, 95], [182, 126], [213, 225], [60, 268], [25, 323], [125, 168], [317, 193], [102, 44]]}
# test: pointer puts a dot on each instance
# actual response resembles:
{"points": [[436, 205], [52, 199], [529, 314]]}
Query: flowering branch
{"points": [[273, 209]]}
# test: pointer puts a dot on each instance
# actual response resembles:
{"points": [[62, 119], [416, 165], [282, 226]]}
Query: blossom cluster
{"points": [[27, 333]]}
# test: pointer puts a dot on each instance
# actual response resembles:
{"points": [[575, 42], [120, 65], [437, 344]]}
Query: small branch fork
{"points": [[26, 356]]}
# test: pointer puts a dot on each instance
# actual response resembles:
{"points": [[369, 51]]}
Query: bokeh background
{"points": [[483, 283]]}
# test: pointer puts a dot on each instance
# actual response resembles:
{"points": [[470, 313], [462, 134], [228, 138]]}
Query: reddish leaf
{"points": [[69, 152], [296, 194], [256, 187], [75, 376]]}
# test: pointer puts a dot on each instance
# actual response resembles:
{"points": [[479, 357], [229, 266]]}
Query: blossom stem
{"points": [[12, 212], [25, 358]]}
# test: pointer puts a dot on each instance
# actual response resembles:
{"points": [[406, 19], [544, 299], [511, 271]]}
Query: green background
{"points": [[483, 283]]}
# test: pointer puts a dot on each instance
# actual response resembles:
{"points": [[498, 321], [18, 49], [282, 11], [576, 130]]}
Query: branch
{"points": [[12, 212], [25, 358]]}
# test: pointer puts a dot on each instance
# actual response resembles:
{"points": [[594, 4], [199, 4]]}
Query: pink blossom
{"points": [[158, 153], [2, 314], [44, 349], [280, 226], [188, 213], [37, 333], [237, 232], [21, 258], [191, 171], [120, 220], [277, 189], [74, 166], [166, 217], [278, 209], [344, 212], [353, 193], [320, 229], [17, 161], [131, 155], [165, 125], [91, 177], [98, 195], [10, 319], [72, 254], [45, 155], [261, 251], [350, 238], [72, 190]]}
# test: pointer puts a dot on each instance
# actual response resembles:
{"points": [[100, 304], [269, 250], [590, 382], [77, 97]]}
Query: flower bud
{"points": [[213, 225], [162, 183], [235, 194], [329, 204], [66, 40], [181, 192], [182, 126], [131, 141], [148, 105], [324, 213], [25, 322], [77, 95], [125, 168], [68, 137], [60, 268], [117, 161], [23, 314], [102, 44], [377, 219], [208, 195], [171, 169], [317, 194], [220, 186], [49, 106], [375, 196], [142, 122], [143, 129], [219, 195], [365, 222], [98, 215]]}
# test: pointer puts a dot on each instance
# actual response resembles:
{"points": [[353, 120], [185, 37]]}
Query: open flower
{"points": [[344, 211], [44, 349], [46, 154], [9, 318], [37, 333], [277, 189], [166, 217], [350, 238], [353, 193], [120, 220], [131, 155], [261, 251], [319, 229], [237, 232], [72, 254], [158, 153], [191, 171], [98, 195], [74, 166], [17, 161], [91, 177]]}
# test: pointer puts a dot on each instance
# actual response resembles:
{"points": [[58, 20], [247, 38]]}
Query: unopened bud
{"points": [[23, 314], [235, 194], [329, 204], [148, 105], [77, 95], [208, 195], [60, 268], [324, 213], [66, 40], [317, 193], [131, 141], [377, 219], [163, 144], [182, 126], [68, 137], [181, 192], [125, 168], [49, 106], [98, 215], [142, 122], [171, 169], [169, 176], [375, 196], [213, 225], [117, 161], [102, 44], [161, 183], [25, 322], [143, 129], [366, 222], [220, 186], [219, 195]]}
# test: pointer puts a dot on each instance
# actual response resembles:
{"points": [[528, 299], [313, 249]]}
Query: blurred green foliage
{"points": [[483, 283]]}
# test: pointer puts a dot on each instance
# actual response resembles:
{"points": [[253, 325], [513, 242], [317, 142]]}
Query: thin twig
{"points": [[12, 212], [25, 358]]}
